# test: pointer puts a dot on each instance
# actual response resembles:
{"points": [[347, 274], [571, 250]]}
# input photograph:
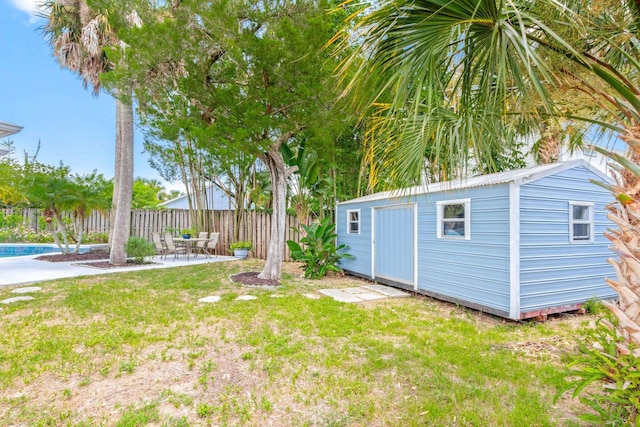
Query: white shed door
{"points": [[393, 243]]}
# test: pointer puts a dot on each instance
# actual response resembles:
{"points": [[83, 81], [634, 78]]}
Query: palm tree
{"points": [[84, 196], [78, 36], [48, 189], [450, 73]]}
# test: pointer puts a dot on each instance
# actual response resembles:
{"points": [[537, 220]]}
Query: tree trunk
{"points": [[550, 145], [275, 252], [79, 222], [47, 215], [62, 230], [116, 174], [124, 176], [626, 215]]}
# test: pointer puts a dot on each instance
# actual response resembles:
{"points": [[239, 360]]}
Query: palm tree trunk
{"points": [[62, 230], [550, 146], [79, 231], [124, 176], [626, 239], [116, 176], [48, 216]]}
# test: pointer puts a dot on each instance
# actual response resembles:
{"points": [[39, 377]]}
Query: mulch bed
{"points": [[97, 256], [85, 256], [250, 278], [107, 264]]}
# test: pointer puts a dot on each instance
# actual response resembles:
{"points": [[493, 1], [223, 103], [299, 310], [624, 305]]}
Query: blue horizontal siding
{"points": [[360, 244], [475, 270], [553, 271]]}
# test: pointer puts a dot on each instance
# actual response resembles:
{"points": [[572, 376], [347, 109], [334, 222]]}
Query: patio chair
{"points": [[213, 243], [201, 244], [172, 248], [161, 249]]}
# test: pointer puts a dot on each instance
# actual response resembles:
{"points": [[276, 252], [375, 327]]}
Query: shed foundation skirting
{"points": [[554, 310], [435, 295], [540, 314]]}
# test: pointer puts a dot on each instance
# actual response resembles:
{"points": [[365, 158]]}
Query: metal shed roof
{"points": [[518, 176], [7, 129]]}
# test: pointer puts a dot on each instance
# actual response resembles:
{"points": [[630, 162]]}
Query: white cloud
{"points": [[29, 6]]}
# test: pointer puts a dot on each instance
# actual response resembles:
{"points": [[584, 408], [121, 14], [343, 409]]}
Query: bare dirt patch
{"points": [[250, 278], [179, 380], [544, 348]]}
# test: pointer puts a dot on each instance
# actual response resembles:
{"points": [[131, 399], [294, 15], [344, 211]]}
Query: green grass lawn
{"points": [[137, 349]]}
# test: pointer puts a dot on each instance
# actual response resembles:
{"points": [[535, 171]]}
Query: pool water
{"points": [[17, 249], [24, 249]]}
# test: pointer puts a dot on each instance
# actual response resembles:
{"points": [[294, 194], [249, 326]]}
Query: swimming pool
{"points": [[24, 249]]}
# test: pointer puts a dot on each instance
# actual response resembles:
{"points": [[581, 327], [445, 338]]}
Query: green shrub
{"points": [[241, 244], [190, 231], [594, 306], [320, 254], [10, 221], [617, 403], [95, 238], [23, 234], [139, 249]]}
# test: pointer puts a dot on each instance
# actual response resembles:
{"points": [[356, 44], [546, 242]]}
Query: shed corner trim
{"points": [[514, 249]]}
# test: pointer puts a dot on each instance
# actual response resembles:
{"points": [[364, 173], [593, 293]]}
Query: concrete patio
{"points": [[26, 269]]}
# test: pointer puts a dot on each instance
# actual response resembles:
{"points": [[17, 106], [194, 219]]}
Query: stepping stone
{"points": [[387, 291], [370, 296], [354, 290], [340, 295], [210, 299], [246, 298], [311, 296], [26, 290], [277, 296], [16, 299]]}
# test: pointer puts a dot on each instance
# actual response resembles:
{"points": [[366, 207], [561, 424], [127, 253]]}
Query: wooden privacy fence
{"points": [[254, 226]]}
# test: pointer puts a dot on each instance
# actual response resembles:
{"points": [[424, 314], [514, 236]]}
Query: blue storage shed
{"points": [[518, 244]]}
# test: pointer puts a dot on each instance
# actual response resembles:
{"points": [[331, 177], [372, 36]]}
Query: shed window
{"points": [[580, 222], [353, 222], [454, 219]]}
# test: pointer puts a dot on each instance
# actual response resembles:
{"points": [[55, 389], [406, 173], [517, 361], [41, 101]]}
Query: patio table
{"points": [[188, 243]]}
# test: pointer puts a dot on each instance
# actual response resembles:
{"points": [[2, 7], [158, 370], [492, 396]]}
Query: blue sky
{"points": [[51, 104]]}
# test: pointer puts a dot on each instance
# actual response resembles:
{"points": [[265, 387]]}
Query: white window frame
{"points": [[440, 219], [589, 222], [349, 222]]}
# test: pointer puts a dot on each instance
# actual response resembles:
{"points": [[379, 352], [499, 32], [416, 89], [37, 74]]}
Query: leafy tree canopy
{"points": [[234, 76]]}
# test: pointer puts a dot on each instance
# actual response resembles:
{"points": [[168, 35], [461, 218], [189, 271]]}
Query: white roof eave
{"points": [[519, 176], [7, 129]]}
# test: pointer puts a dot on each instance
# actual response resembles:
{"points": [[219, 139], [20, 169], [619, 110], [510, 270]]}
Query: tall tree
{"points": [[253, 79], [482, 59], [79, 36], [147, 193]]}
